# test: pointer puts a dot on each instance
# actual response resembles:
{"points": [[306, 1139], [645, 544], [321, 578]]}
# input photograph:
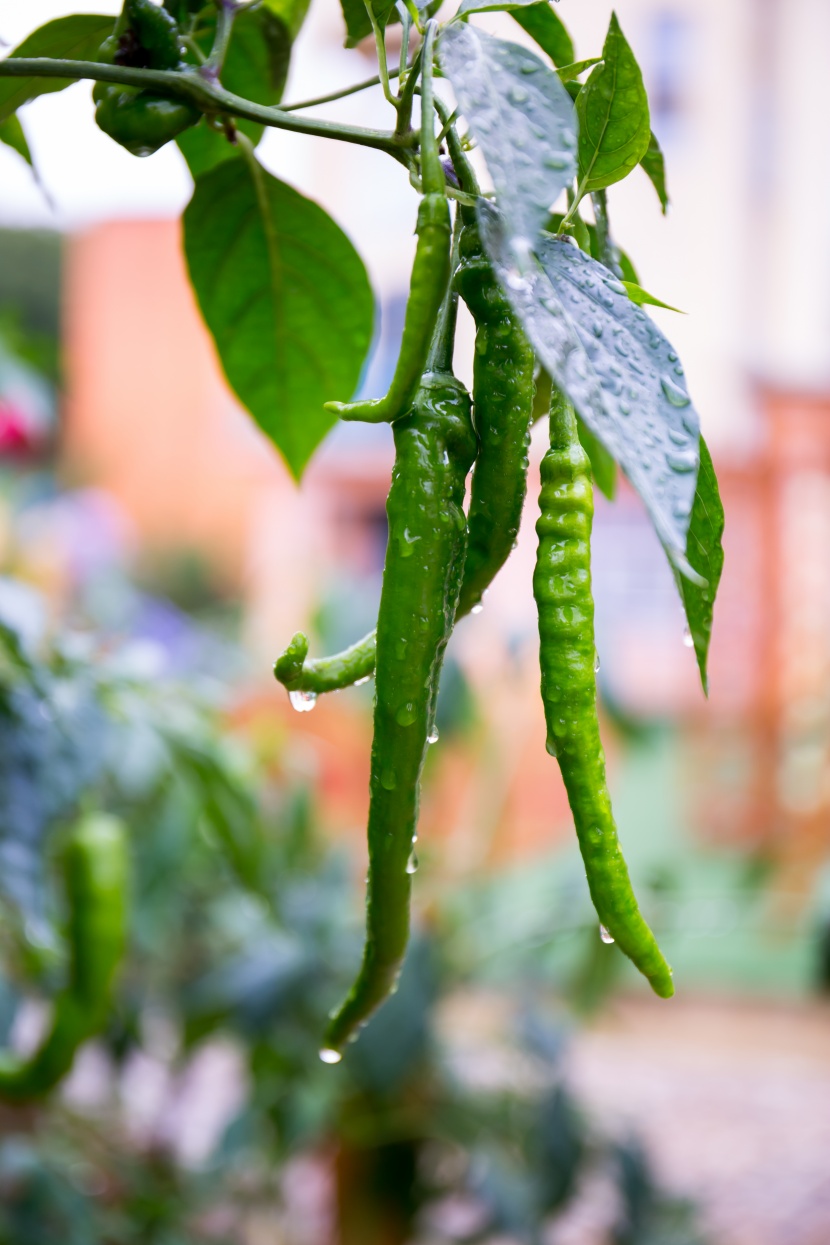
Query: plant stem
{"points": [[210, 97], [341, 94], [406, 96], [406, 27], [443, 338], [380, 45], [432, 172], [226, 13], [463, 168]]}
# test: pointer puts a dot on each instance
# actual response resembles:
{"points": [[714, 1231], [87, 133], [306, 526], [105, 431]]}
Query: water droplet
{"points": [[625, 409], [596, 328], [614, 285], [330, 1056], [432, 737], [477, 608], [518, 95], [303, 702], [672, 357], [360, 682], [406, 715], [412, 863], [676, 395], [389, 780], [550, 746], [596, 663], [687, 637], [516, 281], [683, 461], [605, 936], [557, 162]]}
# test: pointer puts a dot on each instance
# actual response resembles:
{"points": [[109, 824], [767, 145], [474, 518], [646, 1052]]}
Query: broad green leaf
{"points": [[704, 551], [548, 31], [11, 134], [603, 467], [358, 25], [76, 38], [612, 107], [286, 297], [522, 118], [615, 366], [642, 297], [628, 270], [256, 68], [654, 166], [291, 14]]}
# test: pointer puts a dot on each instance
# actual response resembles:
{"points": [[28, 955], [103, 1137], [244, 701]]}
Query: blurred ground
{"points": [[733, 1102]]}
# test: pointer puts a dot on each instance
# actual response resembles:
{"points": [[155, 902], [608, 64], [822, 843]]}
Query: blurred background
{"points": [[155, 557]]}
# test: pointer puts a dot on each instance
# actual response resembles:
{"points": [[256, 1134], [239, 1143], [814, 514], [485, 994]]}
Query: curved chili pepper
{"points": [[95, 877], [562, 588], [434, 449], [430, 271], [502, 412]]}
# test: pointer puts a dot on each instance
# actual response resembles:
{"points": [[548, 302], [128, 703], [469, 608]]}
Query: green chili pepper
{"points": [[562, 588], [95, 878], [146, 37], [502, 411], [430, 272], [434, 448]]}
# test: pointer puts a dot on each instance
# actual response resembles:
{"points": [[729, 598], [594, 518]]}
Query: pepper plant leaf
{"points": [[568, 73], [547, 30], [704, 551], [654, 165], [76, 38], [603, 467], [358, 23], [256, 67], [12, 135], [285, 296], [616, 367], [642, 298], [523, 120], [614, 127]]}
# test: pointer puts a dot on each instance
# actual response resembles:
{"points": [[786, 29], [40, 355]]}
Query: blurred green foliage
{"points": [[244, 930]]}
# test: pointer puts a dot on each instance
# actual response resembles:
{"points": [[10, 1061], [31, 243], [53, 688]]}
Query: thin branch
{"points": [[341, 94], [209, 97]]}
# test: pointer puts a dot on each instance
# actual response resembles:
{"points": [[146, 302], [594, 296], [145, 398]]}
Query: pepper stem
{"points": [[432, 172], [442, 345], [563, 431]]}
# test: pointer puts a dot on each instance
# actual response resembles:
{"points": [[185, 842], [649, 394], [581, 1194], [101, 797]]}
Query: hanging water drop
{"points": [[596, 663], [688, 639], [605, 936], [303, 702], [412, 863], [433, 736], [361, 682], [677, 396], [477, 608], [330, 1056]]}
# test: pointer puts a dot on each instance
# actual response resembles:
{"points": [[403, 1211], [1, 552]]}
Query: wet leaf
{"points": [[522, 118], [704, 551], [615, 366], [642, 297]]}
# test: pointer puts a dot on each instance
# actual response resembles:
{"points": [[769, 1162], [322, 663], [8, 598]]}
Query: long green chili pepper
{"points": [[502, 411], [430, 271], [95, 878], [434, 448], [562, 588]]}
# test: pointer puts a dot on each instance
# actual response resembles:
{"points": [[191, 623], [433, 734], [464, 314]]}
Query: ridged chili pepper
{"points": [[95, 877], [430, 272], [434, 449], [502, 413], [146, 37], [562, 588]]}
